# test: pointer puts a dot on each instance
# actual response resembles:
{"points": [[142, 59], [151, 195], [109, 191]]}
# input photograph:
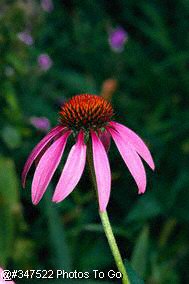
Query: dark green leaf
{"points": [[147, 207], [60, 248], [9, 206], [133, 276], [140, 252]]}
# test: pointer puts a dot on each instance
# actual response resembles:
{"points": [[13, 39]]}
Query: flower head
{"points": [[40, 123], [89, 119], [44, 61], [117, 39], [86, 112]]}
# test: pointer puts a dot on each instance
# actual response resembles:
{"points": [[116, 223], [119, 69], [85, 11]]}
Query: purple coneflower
{"points": [[25, 37], [44, 61], [40, 123], [89, 119], [117, 39]]}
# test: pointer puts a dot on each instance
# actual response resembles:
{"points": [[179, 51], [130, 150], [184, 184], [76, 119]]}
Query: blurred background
{"points": [[135, 54]]}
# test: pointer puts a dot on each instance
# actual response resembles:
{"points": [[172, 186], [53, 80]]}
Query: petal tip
{"points": [[35, 201], [153, 167], [23, 179], [23, 184], [141, 191], [54, 199]]}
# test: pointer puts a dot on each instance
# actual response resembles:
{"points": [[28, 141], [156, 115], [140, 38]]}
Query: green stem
{"points": [[107, 226], [113, 246]]}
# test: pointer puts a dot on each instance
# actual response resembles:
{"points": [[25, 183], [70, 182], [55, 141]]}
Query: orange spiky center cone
{"points": [[86, 112]]}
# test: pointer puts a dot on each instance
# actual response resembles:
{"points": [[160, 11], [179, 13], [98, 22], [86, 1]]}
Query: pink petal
{"points": [[132, 138], [38, 148], [102, 171], [47, 166], [105, 139], [131, 159], [72, 171]]}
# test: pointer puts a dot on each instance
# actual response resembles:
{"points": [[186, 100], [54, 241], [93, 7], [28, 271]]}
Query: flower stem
{"points": [[106, 224], [113, 246]]}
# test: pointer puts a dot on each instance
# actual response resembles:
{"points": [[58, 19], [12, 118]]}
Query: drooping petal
{"points": [[131, 159], [132, 138], [36, 151], [47, 166], [102, 171], [105, 139], [72, 171]]}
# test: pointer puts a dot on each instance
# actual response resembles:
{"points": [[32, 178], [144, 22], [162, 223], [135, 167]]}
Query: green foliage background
{"points": [[151, 98]]}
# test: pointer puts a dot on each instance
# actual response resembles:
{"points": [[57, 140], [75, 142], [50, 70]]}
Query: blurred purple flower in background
{"points": [[117, 39], [47, 5], [44, 61], [40, 123], [25, 37]]}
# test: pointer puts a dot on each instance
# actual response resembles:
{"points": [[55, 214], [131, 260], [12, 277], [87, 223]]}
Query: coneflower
{"points": [[89, 118]]}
